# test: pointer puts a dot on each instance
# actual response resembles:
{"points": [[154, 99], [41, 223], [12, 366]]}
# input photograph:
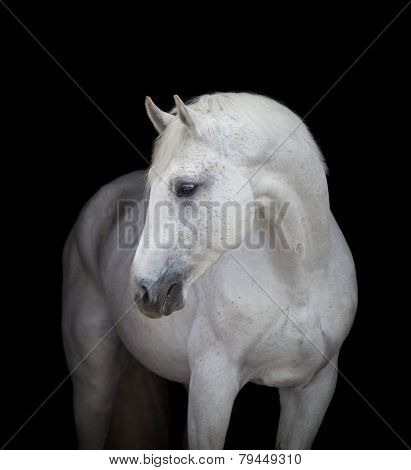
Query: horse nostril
{"points": [[144, 293], [141, 292]]}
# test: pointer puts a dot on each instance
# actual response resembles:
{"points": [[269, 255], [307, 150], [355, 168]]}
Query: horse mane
{"points": [[259, 113]]}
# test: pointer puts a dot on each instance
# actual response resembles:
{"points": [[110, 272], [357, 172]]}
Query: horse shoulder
{"points": [[340, 294]]}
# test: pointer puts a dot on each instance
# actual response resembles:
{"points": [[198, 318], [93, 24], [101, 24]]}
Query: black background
{"points": [[62, 149]]}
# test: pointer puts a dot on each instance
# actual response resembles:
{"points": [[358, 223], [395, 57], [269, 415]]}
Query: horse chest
{"points": [[270, 346], [283, 358]]}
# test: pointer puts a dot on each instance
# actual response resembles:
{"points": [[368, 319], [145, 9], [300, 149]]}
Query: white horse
{"points": [[207, 309]]}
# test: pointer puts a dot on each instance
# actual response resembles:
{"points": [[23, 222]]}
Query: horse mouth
{"points": [[170, 300]]}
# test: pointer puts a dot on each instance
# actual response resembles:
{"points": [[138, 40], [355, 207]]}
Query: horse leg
{"points": [[214, 384], [95, 359], [303, 409], [94, 390]]}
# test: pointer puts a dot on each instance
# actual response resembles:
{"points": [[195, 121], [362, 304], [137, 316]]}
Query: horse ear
{"points": [[187, 116], [159, 118]]}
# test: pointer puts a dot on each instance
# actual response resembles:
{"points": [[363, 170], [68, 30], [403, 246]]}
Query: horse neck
{"points": [[306, 222]]}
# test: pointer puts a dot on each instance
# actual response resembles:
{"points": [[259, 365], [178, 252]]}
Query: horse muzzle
{"points": [[161, 297]]}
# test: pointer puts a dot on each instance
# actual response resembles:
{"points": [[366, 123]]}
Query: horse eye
{"points": [[186, 189]]}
